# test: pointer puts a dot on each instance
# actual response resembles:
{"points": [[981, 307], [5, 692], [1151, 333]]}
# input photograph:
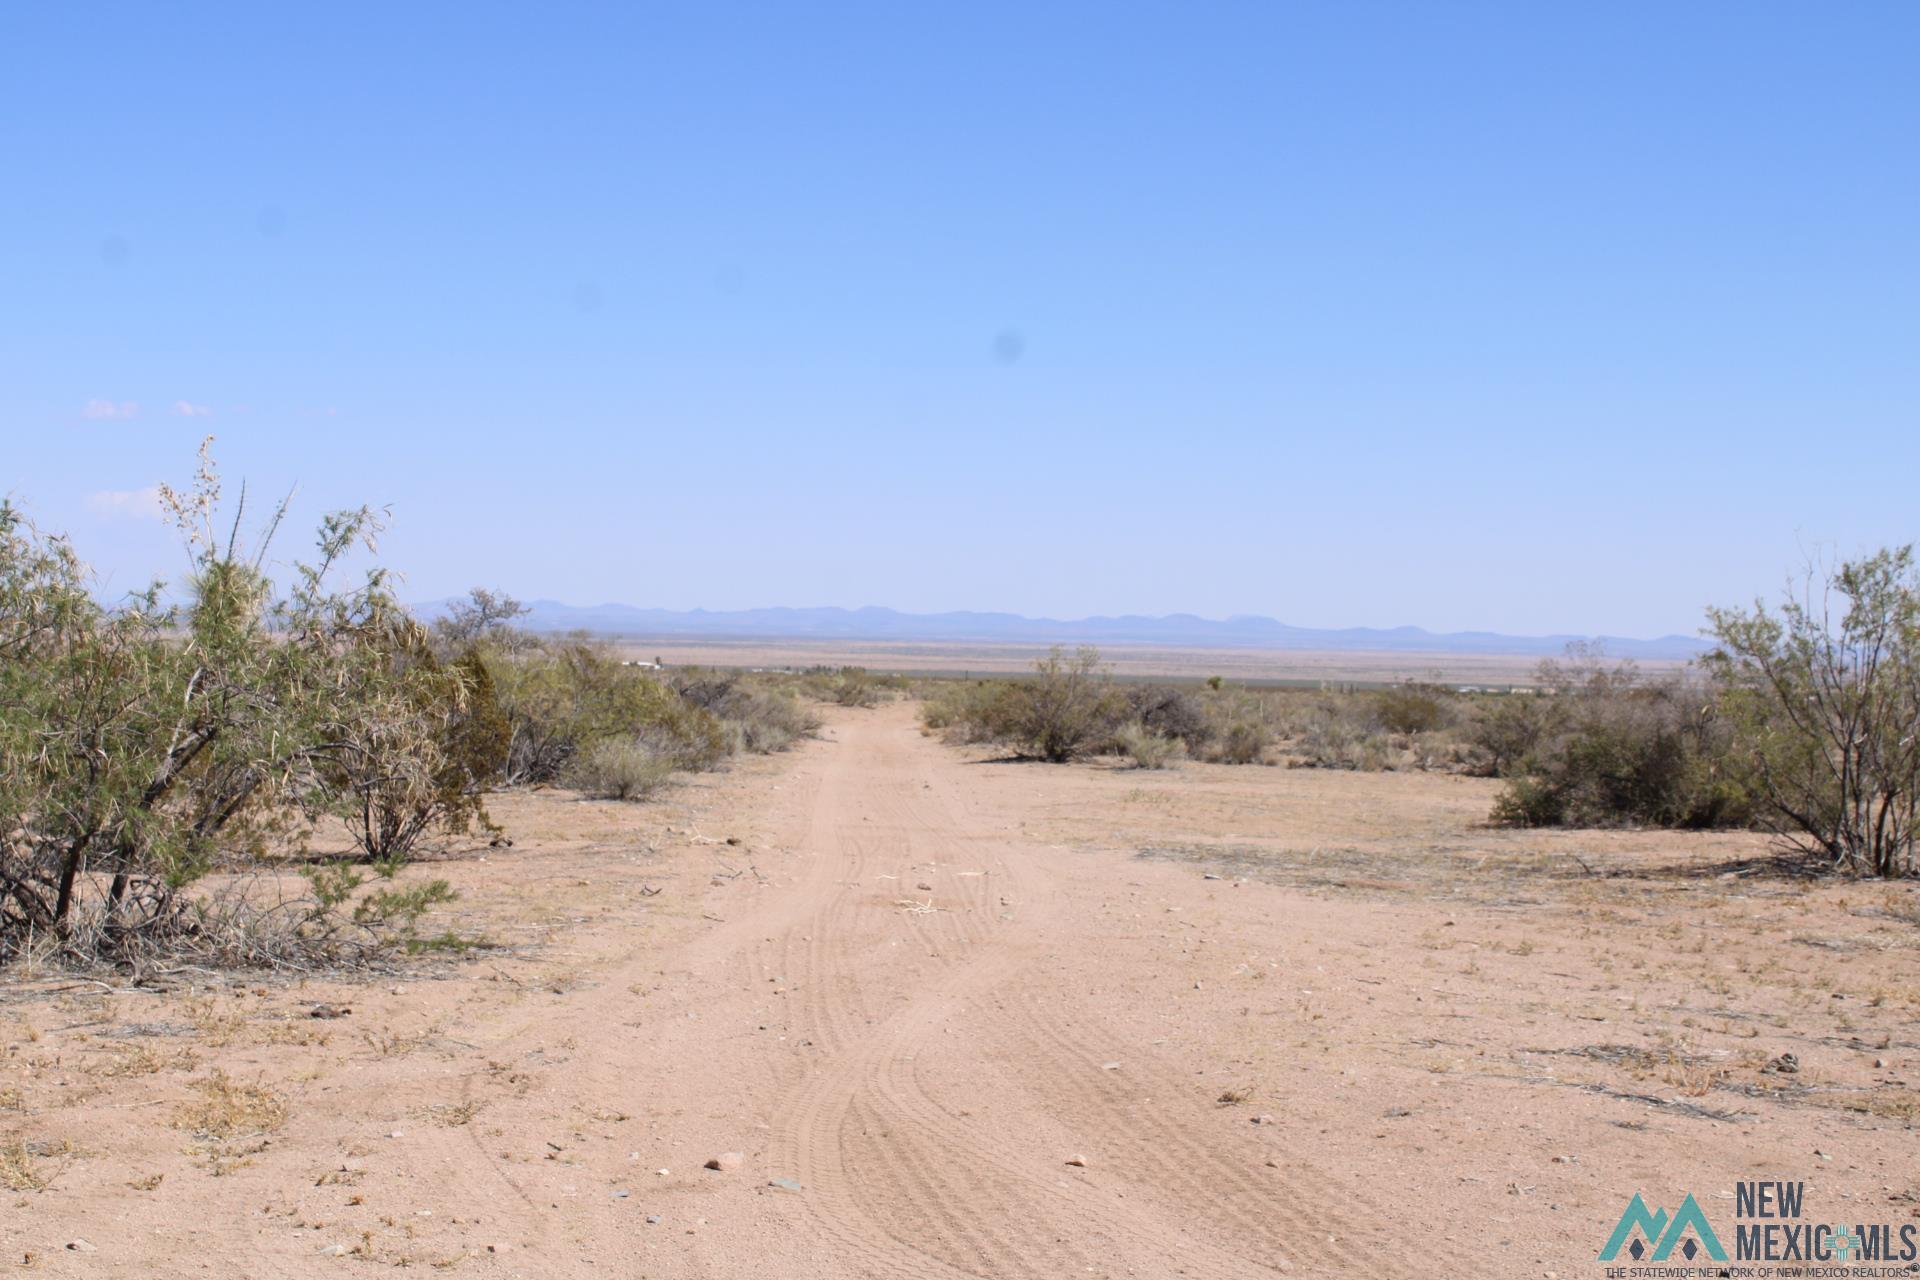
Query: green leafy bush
{"points": [[141, 742]]}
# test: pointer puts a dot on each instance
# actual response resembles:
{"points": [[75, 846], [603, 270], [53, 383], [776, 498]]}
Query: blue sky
{"points": [[1510, 316]]}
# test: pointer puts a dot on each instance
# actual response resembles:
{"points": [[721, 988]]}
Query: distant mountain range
{"points": [[1179, 630]]}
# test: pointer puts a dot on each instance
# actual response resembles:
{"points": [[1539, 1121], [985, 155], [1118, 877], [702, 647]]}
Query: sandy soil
{"points": [[961, 1017]]}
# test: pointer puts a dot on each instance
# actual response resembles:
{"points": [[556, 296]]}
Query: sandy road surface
{"points": [[907, 1033]]}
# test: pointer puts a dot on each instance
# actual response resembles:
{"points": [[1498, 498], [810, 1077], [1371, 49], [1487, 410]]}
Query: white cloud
{"points": [[187, 409], [106, 410], [127, 504]]}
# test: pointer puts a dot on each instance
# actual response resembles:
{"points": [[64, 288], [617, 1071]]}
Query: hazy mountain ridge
{"points": [[873, 623]]}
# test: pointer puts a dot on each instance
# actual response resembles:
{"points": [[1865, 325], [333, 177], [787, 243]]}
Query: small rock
{"points": [[1880, 1063], [924, 885], [653, 1219], [331, 1251], [329, 1011], [1078, 1162], [498, 1248], [1263, 1119], [81, 1246], [784, 1184], [726, 1161], [661, 1173], [1786, 1064], [1109, 1066], [622, 1194]]}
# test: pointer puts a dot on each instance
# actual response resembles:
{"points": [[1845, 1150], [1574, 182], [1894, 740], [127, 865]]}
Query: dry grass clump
{"points": [[17, 1171], [218, 1027], [452, 1115], [398, 1044], [620, 769], [142, 1060], [228, 1109], [1146, 749]]}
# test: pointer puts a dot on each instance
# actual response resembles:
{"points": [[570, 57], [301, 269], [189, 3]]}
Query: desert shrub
{"points": [[1171, 713], [1334, 741], [1529, 802], [848, 687], [618, 769], [139, 743], [421, 745], [1618, 749], [765, 721], [971, 711], [483, 617], [1244, 742], [560, 697], [754, 718], [1412, 708], [475, 735], [1506, 731], [1147, 749], [1068, 708], [1824, 703]]}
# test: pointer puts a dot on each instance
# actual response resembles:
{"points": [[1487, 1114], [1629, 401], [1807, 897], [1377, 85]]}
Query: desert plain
{"points": [[936, 1013]]}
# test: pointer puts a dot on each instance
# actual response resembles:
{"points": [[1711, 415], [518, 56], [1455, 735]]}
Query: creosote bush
{"points": [[1610, 747]]}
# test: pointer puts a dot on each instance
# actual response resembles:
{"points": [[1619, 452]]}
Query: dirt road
{"points": [[953, 1025], [913, 1032]]}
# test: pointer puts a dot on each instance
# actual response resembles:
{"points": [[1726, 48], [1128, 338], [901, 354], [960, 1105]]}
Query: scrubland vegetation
{"points": [[238, 772], [1804, 722]]}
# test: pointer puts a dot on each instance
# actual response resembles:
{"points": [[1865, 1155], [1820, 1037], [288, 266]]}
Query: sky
{"points": [[1519, 317]]}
